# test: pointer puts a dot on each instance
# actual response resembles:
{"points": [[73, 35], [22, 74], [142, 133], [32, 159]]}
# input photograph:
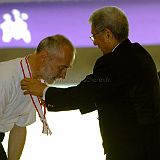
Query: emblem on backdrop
{"points": [[15, 26]]}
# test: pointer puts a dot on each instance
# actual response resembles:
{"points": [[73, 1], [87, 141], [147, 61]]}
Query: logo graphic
{"points": [[14, 26]]}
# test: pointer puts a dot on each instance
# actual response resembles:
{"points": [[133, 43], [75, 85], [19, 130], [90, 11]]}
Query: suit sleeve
{"points": [[80, 97]]}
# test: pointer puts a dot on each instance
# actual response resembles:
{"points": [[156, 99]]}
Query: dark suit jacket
{"points": [[124, 88]]}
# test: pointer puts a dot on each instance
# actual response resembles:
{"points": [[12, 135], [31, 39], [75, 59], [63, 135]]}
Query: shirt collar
{"points": [[115, 47]]}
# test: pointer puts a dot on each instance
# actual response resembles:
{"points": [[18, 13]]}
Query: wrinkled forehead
{"points": [[69, 56], [66, 56]]}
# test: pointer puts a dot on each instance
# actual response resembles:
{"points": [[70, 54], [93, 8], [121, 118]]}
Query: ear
{"points": [[108, 33], [43, 55]]}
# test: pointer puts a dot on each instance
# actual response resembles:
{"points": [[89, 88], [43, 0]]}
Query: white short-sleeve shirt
{"points": [[15, 108]]}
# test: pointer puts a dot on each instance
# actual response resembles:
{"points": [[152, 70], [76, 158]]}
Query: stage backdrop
{"points": [[25, 24]]}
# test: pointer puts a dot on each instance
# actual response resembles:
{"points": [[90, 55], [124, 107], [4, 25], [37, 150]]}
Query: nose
{"points": [[94, 42]]}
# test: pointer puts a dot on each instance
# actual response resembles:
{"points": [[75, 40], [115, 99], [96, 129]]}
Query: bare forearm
{"points": [[16, 142]]}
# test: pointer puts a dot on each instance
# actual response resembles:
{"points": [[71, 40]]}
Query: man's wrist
{"points": [[44, 92]]}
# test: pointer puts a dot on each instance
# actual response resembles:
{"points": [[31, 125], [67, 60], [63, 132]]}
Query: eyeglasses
{"points": [[92, 36]]}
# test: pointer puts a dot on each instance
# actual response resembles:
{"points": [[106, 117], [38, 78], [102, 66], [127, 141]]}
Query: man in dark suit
{"points": [[123, 88]]}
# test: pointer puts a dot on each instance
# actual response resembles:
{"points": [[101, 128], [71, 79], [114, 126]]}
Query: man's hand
{"points": [[33, 86]]}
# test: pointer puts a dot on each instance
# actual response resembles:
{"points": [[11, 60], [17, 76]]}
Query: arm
{"points": [[16, 142], [94, 88], [79, 97], [82, 96]]}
